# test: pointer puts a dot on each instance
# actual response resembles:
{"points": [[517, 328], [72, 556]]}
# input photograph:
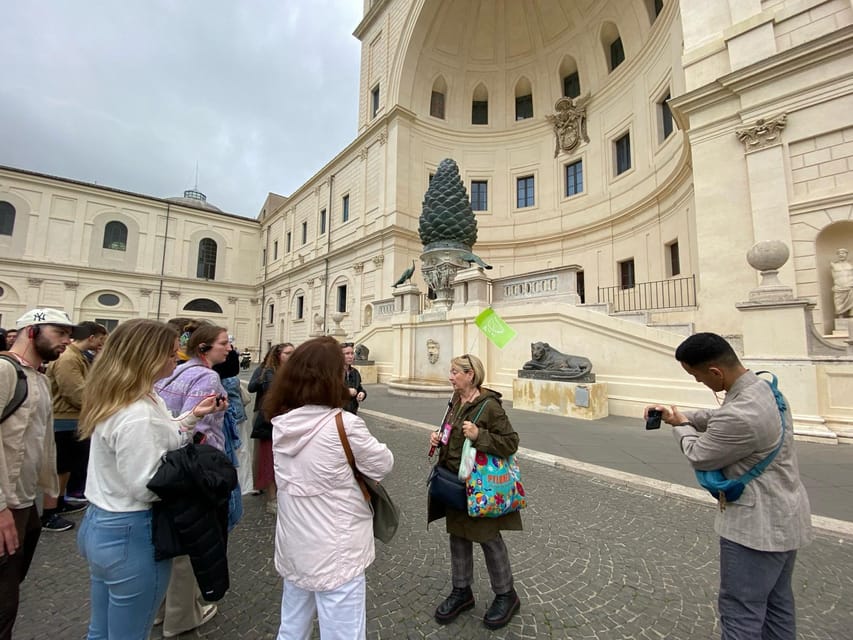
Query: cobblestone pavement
{"points": [[595, 561]]}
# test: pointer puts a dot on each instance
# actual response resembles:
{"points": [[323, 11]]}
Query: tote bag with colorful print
{"points": [[494, 487]]}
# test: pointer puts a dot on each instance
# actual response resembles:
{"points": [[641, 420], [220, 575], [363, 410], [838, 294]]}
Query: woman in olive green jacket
{"points": [[476, 413]]}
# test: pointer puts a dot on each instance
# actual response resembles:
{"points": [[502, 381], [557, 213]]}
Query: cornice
{"points": [[369, 18], [111, 275], [827, 202]]}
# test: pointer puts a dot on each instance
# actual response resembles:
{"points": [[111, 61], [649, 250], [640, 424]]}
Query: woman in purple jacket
{"points": [[206, 345]]}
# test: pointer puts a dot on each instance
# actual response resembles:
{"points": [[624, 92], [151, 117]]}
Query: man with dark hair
{"points": [[761, 531], [67, 376]]}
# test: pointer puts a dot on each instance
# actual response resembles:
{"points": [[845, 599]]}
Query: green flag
{"points": [[494, 327]]}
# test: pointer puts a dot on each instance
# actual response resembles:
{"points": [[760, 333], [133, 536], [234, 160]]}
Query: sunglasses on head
{"points": [[344, 345], [468, 358]]}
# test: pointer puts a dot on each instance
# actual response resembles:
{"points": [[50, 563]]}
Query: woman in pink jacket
{"points": [[324, 530]]}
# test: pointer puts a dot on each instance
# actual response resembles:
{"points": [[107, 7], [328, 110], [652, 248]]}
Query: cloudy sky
{"points": [[132, 93]]}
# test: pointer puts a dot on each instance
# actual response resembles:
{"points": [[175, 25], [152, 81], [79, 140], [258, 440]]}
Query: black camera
{"points": [[653, 417]]}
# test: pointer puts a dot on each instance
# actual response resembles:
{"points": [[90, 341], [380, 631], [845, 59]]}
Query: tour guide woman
{"points": [[492, 434]]}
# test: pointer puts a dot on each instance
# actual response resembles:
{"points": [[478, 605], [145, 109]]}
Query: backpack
{"points": [[21, 388]]}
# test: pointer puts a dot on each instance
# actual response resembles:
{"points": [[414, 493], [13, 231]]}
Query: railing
{"points": [[661, 294]]}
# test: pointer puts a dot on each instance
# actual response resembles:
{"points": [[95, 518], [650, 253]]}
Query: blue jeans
{"points": [[128, 585], [756, 600]]}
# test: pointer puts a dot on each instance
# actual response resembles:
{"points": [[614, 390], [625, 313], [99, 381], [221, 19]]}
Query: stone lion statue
{"points": [[362, 353], [547, 358]]}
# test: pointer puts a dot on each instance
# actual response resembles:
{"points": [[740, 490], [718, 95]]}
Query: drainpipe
{"points": [[328, 249], [163, 261], [263, 295]]}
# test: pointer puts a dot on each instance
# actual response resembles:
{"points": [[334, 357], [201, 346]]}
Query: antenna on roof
{"points": [[196, 176]]}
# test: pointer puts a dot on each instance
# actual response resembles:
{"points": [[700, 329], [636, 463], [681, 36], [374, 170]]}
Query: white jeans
{"points": [[341, 612]]}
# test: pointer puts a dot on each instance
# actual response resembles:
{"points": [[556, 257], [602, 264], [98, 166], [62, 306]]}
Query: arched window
{"points": [[7, 218], [612, 43], [437, 98], [523, 99], [480, 105], [203, 304], [115, 236], [206, 259], [570, 78]]}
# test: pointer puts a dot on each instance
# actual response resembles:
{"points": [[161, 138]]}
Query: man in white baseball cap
{"points": [[28, 459]]}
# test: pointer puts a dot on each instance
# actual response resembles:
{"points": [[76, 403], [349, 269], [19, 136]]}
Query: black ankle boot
{"points": [[503, 608], [458, 601]]}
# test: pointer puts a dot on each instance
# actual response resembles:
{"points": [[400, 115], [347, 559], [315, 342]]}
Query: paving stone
{"points": [[595, 561]]}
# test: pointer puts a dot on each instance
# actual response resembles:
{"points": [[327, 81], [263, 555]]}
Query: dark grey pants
{"points": [[497, 563], [756, 601]]}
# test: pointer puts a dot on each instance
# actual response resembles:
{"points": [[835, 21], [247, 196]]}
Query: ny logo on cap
{"points": [[39, 316]]}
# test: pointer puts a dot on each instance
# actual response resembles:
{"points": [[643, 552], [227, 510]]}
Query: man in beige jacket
{"points": [[761, 531], [27, 457]]}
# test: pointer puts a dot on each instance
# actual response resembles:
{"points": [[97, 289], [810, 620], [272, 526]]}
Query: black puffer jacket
{"points": [[194, 483]]}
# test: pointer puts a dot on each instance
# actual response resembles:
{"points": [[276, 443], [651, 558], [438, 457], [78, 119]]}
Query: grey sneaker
{"points": [[57, 523]]}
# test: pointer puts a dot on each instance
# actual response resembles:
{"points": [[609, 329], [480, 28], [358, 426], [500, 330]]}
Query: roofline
{"points": [[91, 185]]}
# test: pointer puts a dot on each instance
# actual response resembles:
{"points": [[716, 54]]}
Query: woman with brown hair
{"points": [[476, 413], [324, 529], [205, 345], [260, 383]]}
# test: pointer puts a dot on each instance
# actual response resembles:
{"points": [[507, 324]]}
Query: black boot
{"points": [[458, 601], [503, 608]]}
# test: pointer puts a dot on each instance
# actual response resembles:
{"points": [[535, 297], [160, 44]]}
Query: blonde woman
{"points": [[130, 429]]}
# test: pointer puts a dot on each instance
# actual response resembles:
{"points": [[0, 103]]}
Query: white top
{"points": [[126, 452], [324, 529]]}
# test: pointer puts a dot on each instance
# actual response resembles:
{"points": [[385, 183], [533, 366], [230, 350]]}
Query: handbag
{"points": [[494, 487], [447, 489], [729, 490], [386, 517]]}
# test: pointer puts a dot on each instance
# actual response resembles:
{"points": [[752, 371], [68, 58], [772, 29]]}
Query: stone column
{"points": [[145, 303], [71, 299]]}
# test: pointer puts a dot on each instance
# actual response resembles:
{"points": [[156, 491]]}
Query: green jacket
{"points": [[496, 436]]}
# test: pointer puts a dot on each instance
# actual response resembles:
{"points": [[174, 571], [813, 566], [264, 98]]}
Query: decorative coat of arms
{"points": [[569, 123]]}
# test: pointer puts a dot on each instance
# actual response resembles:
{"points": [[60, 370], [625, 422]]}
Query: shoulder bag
{"points": [[729, 490], [386, 517]]}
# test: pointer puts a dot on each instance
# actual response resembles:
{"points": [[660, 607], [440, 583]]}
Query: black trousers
{"points": [[13, 568]]}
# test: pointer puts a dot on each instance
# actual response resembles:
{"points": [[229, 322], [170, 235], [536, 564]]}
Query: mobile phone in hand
{"points": [[653, 417]]}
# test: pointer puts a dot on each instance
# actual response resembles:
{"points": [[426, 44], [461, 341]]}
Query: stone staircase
{"points": [[642, 317]]}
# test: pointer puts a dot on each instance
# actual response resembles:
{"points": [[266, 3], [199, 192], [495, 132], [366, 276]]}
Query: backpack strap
{"points": [[21, 388]]}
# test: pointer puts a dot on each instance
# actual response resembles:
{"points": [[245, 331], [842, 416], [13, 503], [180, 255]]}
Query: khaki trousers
{"points": [[182, 608]]}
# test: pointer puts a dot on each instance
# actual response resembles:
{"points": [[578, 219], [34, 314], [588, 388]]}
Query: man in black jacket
{"points": [[352, 378]]}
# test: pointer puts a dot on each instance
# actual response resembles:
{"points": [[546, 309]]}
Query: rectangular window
{"points": [[374, 101], [342, 299], [581, 287], [480, 112], [524, 107], [673, 266], [304, 232], [574, 178], [345, 208], [524, 192], [626, 274], [287, 243], [108, 323], [270, 314], [665, 117], [322, 221], [300, 307], [617, 54], [572, 85], [275, 250], [479, 195], [436, 105], [622, 151]]}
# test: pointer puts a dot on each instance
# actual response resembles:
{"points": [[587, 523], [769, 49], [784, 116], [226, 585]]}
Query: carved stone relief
{"points": [[569, 123], [763, 133]]}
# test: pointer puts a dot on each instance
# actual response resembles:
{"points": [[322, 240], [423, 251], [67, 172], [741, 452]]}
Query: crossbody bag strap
{"points": [[339, 421], [759, 467]]}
